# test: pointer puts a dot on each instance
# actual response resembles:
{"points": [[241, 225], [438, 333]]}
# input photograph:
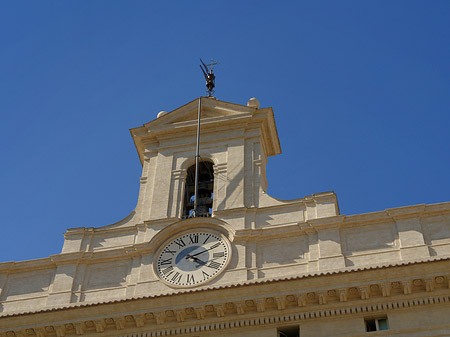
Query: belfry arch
{"points": [[205, 190]]}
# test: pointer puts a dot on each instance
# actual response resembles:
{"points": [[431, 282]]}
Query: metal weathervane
{"points": [[209, 75]]}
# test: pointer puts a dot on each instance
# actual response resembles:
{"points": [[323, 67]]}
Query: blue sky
{"points": [[360, 91]]}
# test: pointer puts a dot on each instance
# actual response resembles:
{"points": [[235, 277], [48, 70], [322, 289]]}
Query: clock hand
{"points": [[212, 247], [199, 253], [196, 259]]}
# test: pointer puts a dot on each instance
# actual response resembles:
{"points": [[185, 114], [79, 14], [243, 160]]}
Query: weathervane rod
{"points": [[210, 84], [197, 156]]}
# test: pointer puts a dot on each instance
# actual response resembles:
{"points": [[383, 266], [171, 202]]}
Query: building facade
{"points": [[247, 264]]}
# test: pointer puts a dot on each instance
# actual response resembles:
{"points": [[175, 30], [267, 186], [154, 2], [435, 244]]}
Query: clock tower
{"points": [[235, 144], [236, 140]]}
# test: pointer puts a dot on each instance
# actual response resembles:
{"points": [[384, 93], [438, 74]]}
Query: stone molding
{"points": [[70, 328], [339, 220]]}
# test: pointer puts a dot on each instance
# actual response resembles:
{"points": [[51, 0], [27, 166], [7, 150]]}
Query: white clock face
{"points": [[192, 259]]}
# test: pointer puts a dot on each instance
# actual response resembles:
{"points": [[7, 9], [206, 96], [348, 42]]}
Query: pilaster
{"points": [[220, 185], [313, 243], [176, 197], [147, 179], [160, 199], [235, 170], [133, 276], [410, 233], [250, 257], [60, 292], [73, 240], [330, 252]]}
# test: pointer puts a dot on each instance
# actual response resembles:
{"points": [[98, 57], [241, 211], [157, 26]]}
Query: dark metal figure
{"points": [[209, 76]]}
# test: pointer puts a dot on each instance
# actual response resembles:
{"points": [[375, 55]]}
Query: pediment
{"points": [[183, 120], [211, 109]]}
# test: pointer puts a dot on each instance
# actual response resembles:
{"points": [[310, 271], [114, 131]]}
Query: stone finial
{"points": [[161, 113], [253, 103]]}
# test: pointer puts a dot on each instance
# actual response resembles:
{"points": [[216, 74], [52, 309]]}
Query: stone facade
{"points": [[295, 266]]}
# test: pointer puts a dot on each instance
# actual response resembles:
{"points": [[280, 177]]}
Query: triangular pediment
{"points": [[184, 119], [192, 114], [211, 109]]}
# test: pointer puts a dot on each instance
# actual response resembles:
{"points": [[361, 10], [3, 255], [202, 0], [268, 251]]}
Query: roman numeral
{"points": [[190, 278], [193, 238], [207, 238], [205, 274], [220, 254], [166, 261], [214, 264], [177, 277], [215, 245], [167, 250], [167, 271], [180, 243]]}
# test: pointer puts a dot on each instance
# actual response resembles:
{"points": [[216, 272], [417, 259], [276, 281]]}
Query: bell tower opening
{"points": [[205, 190]]}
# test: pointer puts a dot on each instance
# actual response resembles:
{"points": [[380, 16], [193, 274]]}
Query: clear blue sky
{"points": [[360, 91]]}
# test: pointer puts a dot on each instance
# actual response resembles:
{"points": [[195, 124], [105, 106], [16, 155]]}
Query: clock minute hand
{"points": [[212, 247], [198, 253]]}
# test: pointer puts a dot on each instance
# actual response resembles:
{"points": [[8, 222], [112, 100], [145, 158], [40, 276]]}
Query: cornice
{"points": [[260, 282], [363, 219], [43, 263], [345, 220], [421, 210]]}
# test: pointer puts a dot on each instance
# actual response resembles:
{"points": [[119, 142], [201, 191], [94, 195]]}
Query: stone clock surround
{"points": [[192, 258]]}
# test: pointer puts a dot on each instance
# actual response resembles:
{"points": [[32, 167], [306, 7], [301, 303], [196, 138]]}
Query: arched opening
{"points": [[205, 190]]}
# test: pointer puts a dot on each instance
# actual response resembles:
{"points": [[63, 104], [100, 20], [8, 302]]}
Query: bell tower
{"points": [[235, 142], [234, 145]]}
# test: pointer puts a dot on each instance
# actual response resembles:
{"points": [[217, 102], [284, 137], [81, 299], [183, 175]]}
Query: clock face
{"points": [[192, 259]]}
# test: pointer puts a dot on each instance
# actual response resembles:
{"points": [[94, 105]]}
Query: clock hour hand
{"points": [[195, 259]]}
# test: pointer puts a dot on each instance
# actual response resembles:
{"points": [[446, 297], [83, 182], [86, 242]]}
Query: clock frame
{"points": [[192, 258]]}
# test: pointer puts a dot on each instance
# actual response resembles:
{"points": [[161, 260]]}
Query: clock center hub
{"points": [[192, 258]]}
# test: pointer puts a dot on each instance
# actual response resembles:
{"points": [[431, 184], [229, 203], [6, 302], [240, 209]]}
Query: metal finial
{"points": [[209, 76]]}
